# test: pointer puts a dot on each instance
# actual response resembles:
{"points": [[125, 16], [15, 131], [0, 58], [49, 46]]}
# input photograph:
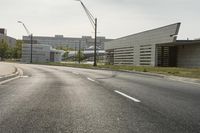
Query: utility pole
{"points": [[95, 44], [31, 39], [79, 52], [93, 21], [75, 54], [31, 48]]}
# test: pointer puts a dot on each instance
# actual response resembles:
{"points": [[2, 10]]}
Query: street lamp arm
{"points": [[25, 28], [87, 11], [28, 32], [90, 16]]}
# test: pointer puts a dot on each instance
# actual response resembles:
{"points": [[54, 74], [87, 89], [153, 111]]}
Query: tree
{"points": [[65, 55], [64, 48], [80, 56], [3, 49], [17, 52]]}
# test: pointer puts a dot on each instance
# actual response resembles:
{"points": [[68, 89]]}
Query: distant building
{"points": [[40, 53], [157, 47], [70, 42], [89, 54], [10, 40]]}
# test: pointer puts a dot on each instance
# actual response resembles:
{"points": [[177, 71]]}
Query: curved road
{"points": [[61, 99]]}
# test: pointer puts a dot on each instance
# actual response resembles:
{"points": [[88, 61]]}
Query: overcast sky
{"points": [[116, 18]]}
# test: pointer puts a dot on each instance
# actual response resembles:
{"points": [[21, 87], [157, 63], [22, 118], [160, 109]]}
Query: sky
{"points": [[116, 18]]}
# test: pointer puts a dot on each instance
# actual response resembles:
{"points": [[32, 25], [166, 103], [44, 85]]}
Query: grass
{"points": [[182, 72]]}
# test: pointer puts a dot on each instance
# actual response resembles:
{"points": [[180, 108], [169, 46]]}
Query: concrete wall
{"points": [[189, 55], [143, 45]]}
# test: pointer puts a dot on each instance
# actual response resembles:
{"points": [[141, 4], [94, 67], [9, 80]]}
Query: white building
{"points": [[157, 47], [40, 53]]}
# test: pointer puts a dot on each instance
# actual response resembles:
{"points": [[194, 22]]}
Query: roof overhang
{"points": [[181, 42]]}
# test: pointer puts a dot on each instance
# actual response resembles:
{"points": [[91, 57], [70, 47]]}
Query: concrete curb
{"points": [[15, 74], [183, 79], [135, 72]]}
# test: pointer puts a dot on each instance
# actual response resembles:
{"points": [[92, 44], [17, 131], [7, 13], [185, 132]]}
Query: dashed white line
{"points": [[91, 79], [75, 73], [24, 76], [129, 97]]}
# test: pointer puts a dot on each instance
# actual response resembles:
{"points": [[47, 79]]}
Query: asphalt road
{"points": [[60, 99]]}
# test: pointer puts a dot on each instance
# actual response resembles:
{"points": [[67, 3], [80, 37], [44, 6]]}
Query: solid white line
{"points": [[129, 97], [6, 81], [91, 79], [20, 73]]}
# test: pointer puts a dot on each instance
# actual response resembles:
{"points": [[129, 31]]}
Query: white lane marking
{"points": [[129, 97], [91, 79], [6, 81], [24, 76], [75, 73], [19, 75]]}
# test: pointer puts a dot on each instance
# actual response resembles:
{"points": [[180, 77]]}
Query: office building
{"points": [[69, 42]]}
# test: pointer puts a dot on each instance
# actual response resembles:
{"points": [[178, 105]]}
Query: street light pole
{"points": [[93, 21], [31, 48], [31, 39], [79, 52], [95, 44]]}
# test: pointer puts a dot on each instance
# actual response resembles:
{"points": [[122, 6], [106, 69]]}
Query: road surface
{"points": [[61, 99]]}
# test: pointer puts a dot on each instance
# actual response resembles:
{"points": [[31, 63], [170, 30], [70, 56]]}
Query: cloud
{"points": [[116, 18]]}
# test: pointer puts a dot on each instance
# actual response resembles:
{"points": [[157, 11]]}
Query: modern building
{"points": [[72, 43], [157, 47], [40, 53], [10, 40]]}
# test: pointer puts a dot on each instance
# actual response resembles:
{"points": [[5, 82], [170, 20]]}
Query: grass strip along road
{"points": [[182, 72]]}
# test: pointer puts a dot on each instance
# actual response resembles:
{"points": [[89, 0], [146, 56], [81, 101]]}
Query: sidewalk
{"points": [[6, 69]]}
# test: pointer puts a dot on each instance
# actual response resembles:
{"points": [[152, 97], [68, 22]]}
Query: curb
{"points": [[15, 74], [184, 79], [174, 78], [127, 71]]}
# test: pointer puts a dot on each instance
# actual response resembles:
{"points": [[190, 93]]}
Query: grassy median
{"points": [[183, 72]]}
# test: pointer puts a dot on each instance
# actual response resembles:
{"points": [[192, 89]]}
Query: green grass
{"points": [[183, 72]]}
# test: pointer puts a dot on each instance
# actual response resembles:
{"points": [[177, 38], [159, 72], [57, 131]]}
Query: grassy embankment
{"points": [[183, 72]]}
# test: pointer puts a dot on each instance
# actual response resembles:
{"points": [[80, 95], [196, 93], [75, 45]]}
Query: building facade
{"points": [[10, 40], [140, 49], [40, 53], [72, 43], [157, 47], [182, 53]]}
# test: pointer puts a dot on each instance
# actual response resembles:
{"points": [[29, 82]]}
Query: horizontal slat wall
{"points": [[124, 55], [145, 55]]}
